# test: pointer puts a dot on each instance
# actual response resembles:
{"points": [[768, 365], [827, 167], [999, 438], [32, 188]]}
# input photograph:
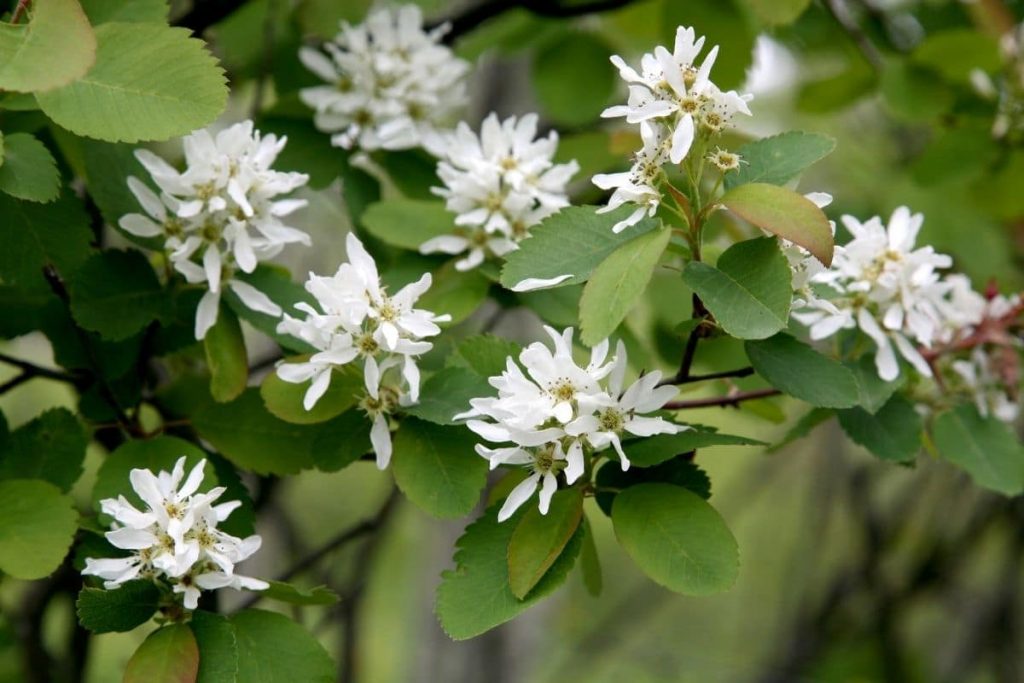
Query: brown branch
{"points": [[31, 370], [19, 10], [722, 401]]}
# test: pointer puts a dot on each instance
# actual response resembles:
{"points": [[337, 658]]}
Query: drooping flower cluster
{"points": [[894, 292], [551, 417], [359, 321], [679, 109], [174, 540], [390, 82], [499, 185], [221, 215]]}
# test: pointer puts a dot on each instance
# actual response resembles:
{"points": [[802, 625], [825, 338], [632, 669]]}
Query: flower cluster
{"points": [[359, 321], [221, 215], [390, 83], [679, 109], [1007, 88], [499, 185], [175, 540], [892, 291], [550, 417]]}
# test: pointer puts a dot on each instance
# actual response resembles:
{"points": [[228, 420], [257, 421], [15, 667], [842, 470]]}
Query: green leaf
{"points": [[437, 469], [408, 223], [218, 648], [617, 283], [750, 291], [293, 595], [106, 167], [168, 655], [802, 427], [892, 433], [457, 294], [308, 150], [50, 447], [54, 47], [35, 236], [28, 170], [559, 307], [573, 241], [150, 82], [785, 213], [678, 471], [484, 354], [676, 538], [778, 12], [284, 399], [342, 441], [796, 369], [120, 609], [226, 357], [103, 11], [984, 446], [873, 391], [277, 284], [476, 596], [538, 540], [780, 158], [972, 49], [656, 449], [570, 89], [116, 294], [156, 454], [912, 93], [272, 648], [37, 525], [244, 432], [590, 562], [447, 393]]}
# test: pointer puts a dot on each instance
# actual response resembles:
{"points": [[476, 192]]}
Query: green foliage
{"points": [[50, 447], [150, 82], [120, 609], [27, 169], [447, 393], [408, 223], [891, 433], [37, 525], [723, 22], [985, 447], [218, 648], [226, 357], [277, 284], [103, 11], [778, 12], [799, 370], [457, 294], [913, 93], [36, 236], [676, 538], [284, 399], [116, 294], [168, 655], [571, 91], [484, 354], [785, 213], [678, 471], [54, 47], [657, 449], [590, 562], [573, 241], [780, 158], [539, 540], [274, 649], [476, 596], [293, 595], [437, 469], [972, 50], [750, 290], [341, 441], [617, 283], [872, 390]]}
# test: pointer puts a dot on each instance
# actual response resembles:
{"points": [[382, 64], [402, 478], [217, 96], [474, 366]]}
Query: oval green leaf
{"points": [[54, 47], [37, 525], [284, 399], [168, 655], [795, 368], [28, 170], [226, 357], [538, 540], [983, 446], [785, 213]]}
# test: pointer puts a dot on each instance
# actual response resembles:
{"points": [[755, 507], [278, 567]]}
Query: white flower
{"points": [[550, 417], [221, 215], [358, 320], [499, 185], [390, 84], [986, 386], [885, 287], [639, 184], [176, 538]]}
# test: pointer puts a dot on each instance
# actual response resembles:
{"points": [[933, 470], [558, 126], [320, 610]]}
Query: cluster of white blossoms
{"points": [[551, 416], [499, 185], [390, 82], [222, 215], [175, 539], [678, 108], [359, 321]]}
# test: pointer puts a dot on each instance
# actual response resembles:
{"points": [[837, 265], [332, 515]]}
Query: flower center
{"points": [[367, 345], [562, 390], [611, 420]]}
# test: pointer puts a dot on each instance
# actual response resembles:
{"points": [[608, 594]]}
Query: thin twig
{"points": [[474, 16], [724, 374], [33, 370], [722, 401], [841, 13], [19, 10]]}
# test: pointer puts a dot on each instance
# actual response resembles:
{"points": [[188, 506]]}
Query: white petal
{"points": [[519, 495], [254, 298], [206, 313], [532, 283], [380, 437]]}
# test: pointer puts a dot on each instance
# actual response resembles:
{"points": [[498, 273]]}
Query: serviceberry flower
{"points": [[639, 185], [222, 215], [557, 414], [356, 320], [175, 540], [725, 160], [981, 378], [499, 185], [389, 82]]}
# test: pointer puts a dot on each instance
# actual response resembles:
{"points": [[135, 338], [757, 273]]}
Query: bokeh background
{"points": [[852, 569]]}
